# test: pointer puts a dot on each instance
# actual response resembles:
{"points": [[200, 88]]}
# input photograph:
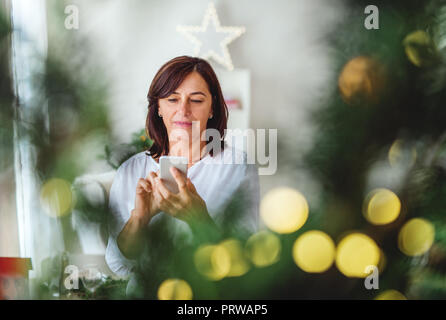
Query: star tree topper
{"points": [[212, 42]]}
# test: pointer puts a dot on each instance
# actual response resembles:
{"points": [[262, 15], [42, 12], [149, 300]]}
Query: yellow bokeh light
{"points": [[416, 237], [355, 252], [420, 48], [213, 261], [382, 206], [362, 79], [284, 210], [314, 251], [398, 154], [174, 289], [238, 263], [263, 248], [390, 295], [56, 197], [382, 261]]}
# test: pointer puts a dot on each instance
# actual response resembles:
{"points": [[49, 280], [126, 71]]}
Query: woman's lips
{"points": [[183, 124]]}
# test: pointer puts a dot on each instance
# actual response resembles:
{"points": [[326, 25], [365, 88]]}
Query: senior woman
{"points": [[184, 96]]}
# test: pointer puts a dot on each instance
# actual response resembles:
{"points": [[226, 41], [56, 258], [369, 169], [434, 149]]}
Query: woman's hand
{"points": [[145, 205], [130, 239], [187, 205]]}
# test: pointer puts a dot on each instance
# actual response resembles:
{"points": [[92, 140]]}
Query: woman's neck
{"points": [[192, 151]]}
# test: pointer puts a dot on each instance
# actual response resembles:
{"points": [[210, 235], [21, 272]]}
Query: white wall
{"points": [[283, 48]]}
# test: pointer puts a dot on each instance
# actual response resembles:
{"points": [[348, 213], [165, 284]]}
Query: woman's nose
{"points": [[184, 106]]}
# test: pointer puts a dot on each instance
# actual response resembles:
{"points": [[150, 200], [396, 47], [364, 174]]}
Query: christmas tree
{"points": [[379, 157], [380, 148]]}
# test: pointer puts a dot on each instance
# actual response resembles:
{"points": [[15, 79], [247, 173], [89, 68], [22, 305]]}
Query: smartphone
{"points": [[166, 162]]}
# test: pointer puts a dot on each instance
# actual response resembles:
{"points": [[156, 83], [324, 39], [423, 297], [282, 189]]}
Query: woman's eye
{"points": [[174, 100]]}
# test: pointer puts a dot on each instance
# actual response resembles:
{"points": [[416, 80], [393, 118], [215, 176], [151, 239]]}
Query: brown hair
{"points": [[166, 81]]}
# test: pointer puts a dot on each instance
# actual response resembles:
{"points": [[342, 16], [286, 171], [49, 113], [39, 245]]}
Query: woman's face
{"points": [[191, 101]]}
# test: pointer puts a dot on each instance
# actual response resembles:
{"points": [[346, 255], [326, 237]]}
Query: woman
{"points": [[184, 97]]}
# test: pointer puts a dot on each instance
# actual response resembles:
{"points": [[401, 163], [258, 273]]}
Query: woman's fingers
{"points": [[191, 186], [145, 185], [166, 201], [169, 202], [158, 197], [165, 204], [152, 177], [163, 189], [150, 173], [179, 178]]}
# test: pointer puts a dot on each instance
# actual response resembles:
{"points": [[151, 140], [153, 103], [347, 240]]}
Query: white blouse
{"points": [[217, 180]]}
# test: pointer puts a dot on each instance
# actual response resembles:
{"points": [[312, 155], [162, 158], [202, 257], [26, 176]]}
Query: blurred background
{"points": [[355, 93]]}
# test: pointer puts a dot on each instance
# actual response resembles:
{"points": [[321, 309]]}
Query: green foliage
{"points": [[115, 155], [6, 97], [351, 138], [110, 289]]}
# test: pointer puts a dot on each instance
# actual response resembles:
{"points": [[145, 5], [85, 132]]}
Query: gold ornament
{"points": [[420, 49], [362, 81]]}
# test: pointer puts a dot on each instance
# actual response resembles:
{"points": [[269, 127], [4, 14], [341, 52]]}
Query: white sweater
{"points": [[217, 179]]}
